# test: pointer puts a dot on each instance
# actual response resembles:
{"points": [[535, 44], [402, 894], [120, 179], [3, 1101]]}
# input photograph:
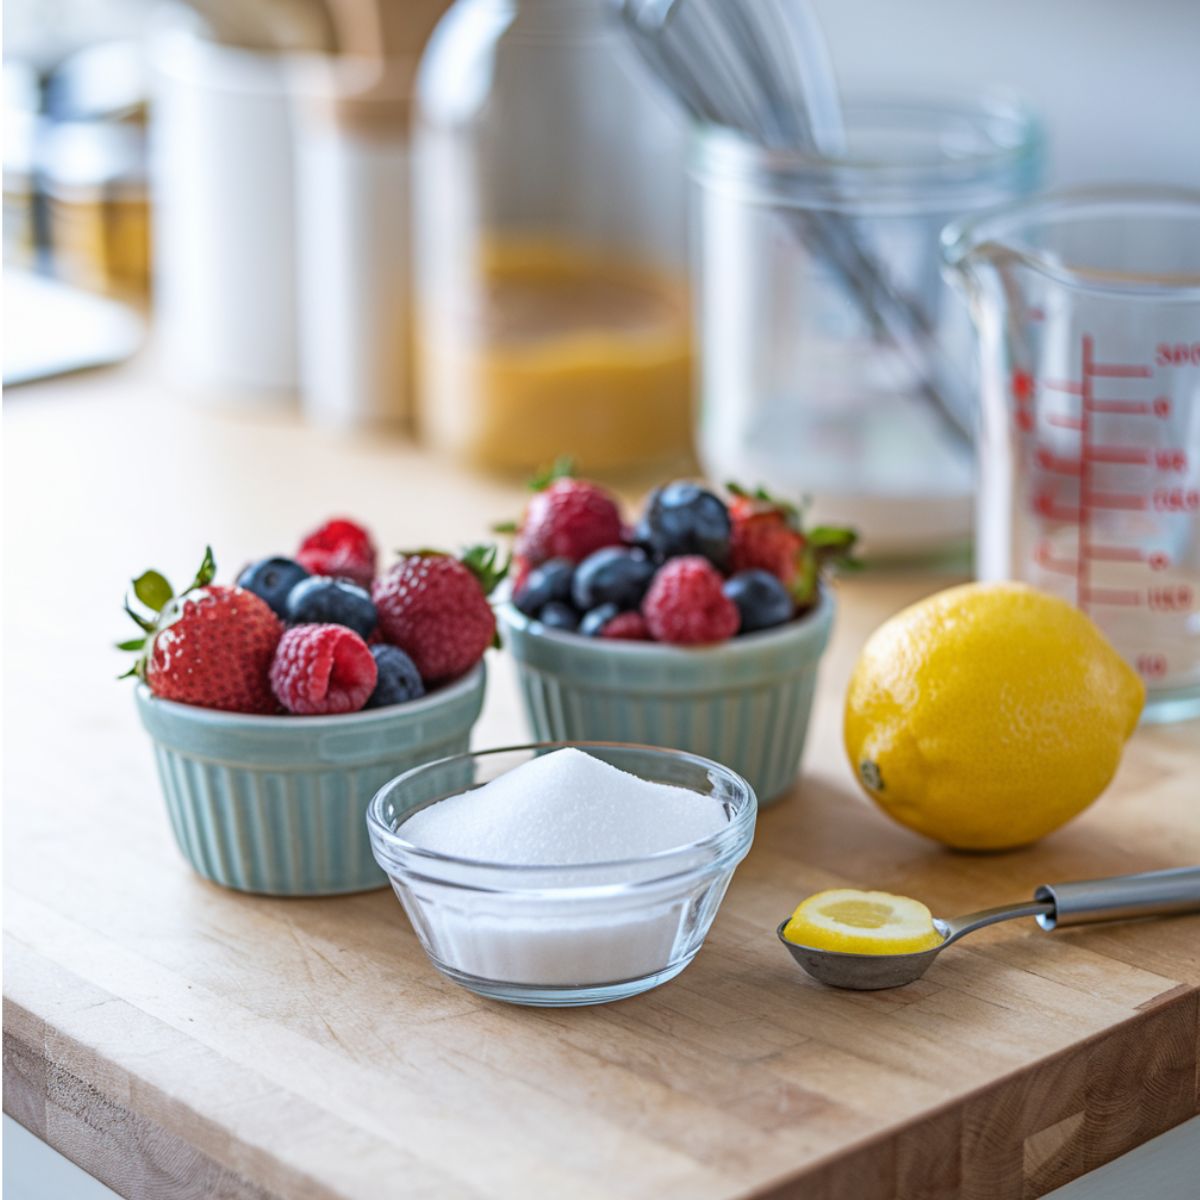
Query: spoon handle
{"points": [[1155, 893]]}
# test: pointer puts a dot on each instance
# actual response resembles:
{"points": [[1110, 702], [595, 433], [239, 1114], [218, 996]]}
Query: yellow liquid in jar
{"points": [[567, 352]]}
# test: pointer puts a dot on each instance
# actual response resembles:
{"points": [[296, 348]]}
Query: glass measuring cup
{"points": [[1087, 306]]}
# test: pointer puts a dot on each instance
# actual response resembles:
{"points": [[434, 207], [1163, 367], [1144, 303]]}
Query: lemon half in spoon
{"points": [[855, 922]]}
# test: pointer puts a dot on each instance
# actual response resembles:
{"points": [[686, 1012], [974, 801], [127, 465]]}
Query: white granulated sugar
{"points": [[563, 809]]}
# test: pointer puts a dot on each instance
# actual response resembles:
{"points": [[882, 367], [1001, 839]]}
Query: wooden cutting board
{"points": [[176, 1039]]}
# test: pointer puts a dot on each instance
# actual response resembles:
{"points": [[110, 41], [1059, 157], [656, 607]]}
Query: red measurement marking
{"points": [[1063, 385], [1171, 460], [1152, 666], [1063, 422], [1118, 454], [1046, 506], [1022, 386], [1162, 406], [1131, 408], [1118, 370], [1125, 501], [1176, 500], [1126, 597], [1044, 555], [1035, 314], [1049, 461], [1178, 355], [1158, 561], [1082, 566], [1113, 553], [1170, 599]]}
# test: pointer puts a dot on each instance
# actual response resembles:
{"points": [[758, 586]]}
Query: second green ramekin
{"points": [[744, 703], [276, 805]]}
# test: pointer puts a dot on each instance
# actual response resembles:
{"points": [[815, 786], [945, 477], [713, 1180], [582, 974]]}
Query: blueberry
{"points": [[682, 518], [761, 599], [322, 600], [550, 581], [272, 579], [398, 678], [596, 620], [556, 614], [614, 575]]}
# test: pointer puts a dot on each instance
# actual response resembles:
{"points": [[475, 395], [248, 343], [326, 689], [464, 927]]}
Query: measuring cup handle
{"points": [[1155, 893]]}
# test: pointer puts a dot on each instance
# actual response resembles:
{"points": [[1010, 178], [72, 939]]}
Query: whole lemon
{"points": [[988, 715]]}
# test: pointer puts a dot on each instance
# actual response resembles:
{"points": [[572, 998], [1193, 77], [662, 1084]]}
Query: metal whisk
{"points": [[765, 72]]}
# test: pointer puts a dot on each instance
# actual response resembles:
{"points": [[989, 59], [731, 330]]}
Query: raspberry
{"points": [[568, 519], [435, 609], [321, 669], [213, 648], [626, 627], [686, 604], [341, 548]]}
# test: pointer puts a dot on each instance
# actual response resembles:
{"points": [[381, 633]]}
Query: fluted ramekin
{"points": [[275, 805], [744, 703]]}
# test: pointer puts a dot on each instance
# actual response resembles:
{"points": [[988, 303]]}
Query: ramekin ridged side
{"points": [[275, 805], [744, 703]]}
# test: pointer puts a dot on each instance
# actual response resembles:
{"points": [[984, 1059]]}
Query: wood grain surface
{"points": [[180, 1041]]}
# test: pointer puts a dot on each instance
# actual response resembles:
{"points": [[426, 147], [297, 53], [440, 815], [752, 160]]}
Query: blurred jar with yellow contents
{"points": [[552, 311]]}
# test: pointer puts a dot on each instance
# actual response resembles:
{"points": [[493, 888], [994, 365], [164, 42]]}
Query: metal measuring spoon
{"points": [[1154, 893]]}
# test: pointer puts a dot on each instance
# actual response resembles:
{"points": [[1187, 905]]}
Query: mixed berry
{"points": [[694, 569], [317, 634]]}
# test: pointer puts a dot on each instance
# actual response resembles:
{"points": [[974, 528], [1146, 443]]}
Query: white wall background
{"points": [[1117, 81]]}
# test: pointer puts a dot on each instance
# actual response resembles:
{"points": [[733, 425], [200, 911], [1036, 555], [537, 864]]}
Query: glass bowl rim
{"points": [[735, 835]]}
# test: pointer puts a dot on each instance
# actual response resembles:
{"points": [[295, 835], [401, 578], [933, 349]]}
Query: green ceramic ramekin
{"points": [[744, 703], [276, 805]]}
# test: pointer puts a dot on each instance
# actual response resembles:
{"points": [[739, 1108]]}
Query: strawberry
{"points": [[212, 646], [686, 603], [341, 548], [321, 669], [518, 573], [566, 518], [769, 535], [435, 608]]}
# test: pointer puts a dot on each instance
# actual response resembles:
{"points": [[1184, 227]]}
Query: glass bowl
{"points": [[562, 935]]}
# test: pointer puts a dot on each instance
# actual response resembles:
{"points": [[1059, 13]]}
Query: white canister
{"points": [[222, 180], [352, 248]]}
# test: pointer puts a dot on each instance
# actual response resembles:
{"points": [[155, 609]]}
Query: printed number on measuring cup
{"points": [[1152, 666], [1177, 354]]}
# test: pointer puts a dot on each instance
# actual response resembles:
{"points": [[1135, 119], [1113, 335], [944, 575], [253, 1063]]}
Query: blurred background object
{"points": [[1114, 83], [224, 218], [551, 309], [800, 391], [22, 100], [353, 213], [552, 301]]}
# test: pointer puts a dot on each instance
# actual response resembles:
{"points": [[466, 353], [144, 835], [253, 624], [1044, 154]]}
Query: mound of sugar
{"points": [[562, 809]]}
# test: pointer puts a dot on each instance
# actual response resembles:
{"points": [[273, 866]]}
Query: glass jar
{"points": [[552, 313], [800, 390]]}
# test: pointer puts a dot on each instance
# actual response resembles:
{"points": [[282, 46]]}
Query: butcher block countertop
{"points": [[179, 1040]]}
